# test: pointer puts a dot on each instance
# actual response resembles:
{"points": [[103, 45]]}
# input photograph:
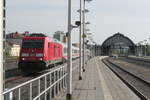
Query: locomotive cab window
{"points": [[33, 44]]}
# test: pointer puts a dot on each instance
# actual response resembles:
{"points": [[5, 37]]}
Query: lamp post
{"points": [[84, 46], [84, 35], [141, 50], [137, 49], [145, 53], [81, 60], [80, 40], [84, 11], [148, 47], [69, 65], [2, 30]]}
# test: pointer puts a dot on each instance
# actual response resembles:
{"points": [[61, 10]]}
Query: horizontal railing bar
{"points": [[50, 87], [28, 82]]}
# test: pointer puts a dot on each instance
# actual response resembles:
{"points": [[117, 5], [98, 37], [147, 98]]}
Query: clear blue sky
{"points": [[130, 17]]}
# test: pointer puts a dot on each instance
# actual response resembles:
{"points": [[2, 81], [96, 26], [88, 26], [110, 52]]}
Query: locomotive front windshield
{"points": [[33, 44]]}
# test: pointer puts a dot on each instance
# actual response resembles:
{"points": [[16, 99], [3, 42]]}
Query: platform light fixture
{"points": [[86, 10], [88, 0], [87, 23]]}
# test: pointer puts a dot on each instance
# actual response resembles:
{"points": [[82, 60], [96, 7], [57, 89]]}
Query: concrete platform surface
{"points": [[98, 83]]}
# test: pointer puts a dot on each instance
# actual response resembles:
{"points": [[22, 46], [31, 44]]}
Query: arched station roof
{"points": [[117, 38]]}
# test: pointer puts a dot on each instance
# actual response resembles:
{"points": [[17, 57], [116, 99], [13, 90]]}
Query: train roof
{"points": [[63, 44], [37, 35], [41, 35]]}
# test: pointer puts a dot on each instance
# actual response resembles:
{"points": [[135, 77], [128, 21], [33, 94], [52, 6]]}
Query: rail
{"points": [[131, 86], [44, 87]]}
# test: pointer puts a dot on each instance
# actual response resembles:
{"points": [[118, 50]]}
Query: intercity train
{"points": [[39, 52]]}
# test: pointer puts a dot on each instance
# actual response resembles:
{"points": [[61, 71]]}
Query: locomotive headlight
{"points": [[40, 59], [23, 59], [24, 54], [39, 54]]}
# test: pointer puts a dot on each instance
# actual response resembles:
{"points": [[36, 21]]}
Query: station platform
{"points": [[98, 83]]}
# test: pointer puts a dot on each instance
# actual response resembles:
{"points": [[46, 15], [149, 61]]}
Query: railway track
{"points": [[138, 85], [140, 70], [143, 62]]}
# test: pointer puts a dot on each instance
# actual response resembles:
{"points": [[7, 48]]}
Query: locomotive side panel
{"points": [[45, 53]]}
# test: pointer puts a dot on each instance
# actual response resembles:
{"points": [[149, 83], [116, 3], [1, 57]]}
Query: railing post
{"points": [[50, 91], [30, 91], [63, 78], [61, 75], [45, 78], [66, 79], [39, 87], [60, 82], [8, 96], [57, 82], [2, 4]]}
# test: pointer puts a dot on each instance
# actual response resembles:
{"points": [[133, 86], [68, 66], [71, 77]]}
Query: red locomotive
{"points": [[38, 52]]}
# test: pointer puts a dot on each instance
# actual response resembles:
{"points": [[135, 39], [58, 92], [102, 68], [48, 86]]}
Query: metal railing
{"points": [[44, 87]]}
